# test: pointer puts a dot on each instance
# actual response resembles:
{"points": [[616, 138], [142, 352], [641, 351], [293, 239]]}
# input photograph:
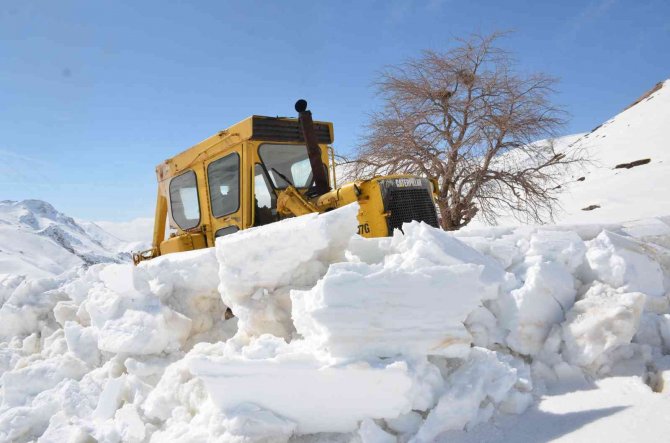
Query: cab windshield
{"points": [[290, 161]]}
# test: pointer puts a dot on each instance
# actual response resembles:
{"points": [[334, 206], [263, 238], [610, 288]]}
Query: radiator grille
{"points": [[406, 205]]}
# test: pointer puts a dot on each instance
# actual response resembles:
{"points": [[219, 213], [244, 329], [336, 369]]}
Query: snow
{"points": [[422, 336], [352, 391], [637, 133], [361, 308], [38, 241], [616, 409], [370, 432], [528, 312], [602, 321], [259, 267], [92, 343], [134, 235], [621, 262], [483, 379]]}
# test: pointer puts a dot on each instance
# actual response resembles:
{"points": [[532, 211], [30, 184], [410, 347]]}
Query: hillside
{"points": [[629, 173], [136, 234], [36, 240]]}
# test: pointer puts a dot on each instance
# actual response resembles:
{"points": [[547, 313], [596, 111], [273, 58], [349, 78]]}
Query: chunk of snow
{"points": [[129, 424], [82, 342], [370, 432], [259, 266], [622, 263], [188, 284], [564, 247], [110, 398], [359, 310], [406, 424], [27, 305], [601, 321], [471, 391], [530, 311], [21, 385], [412, 303], [350, 392], [130, 322], [249, 422], [483, 327]]}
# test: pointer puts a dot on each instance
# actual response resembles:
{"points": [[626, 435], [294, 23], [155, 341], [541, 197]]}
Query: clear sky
{"points": [[94, 94]]}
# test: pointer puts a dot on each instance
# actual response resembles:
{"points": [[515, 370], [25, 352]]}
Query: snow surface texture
{"points": [[418, 337], [601, 192], [38, 241]]}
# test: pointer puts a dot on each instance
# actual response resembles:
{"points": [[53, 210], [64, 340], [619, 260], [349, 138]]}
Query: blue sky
{"points": [[94, 94]]}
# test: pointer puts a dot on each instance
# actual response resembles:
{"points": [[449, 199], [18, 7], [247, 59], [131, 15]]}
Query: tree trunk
{"points": [[447, 221]]}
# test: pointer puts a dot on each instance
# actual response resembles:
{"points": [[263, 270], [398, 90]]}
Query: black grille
{"points": [[406, 205], [285, 130]]}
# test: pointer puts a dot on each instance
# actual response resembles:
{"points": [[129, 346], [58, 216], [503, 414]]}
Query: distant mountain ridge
{"points": [[38, 240]]}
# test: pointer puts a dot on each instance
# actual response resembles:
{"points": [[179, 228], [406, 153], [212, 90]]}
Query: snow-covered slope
{"points": [[136, 234], [38, 241], [629, 173], [108, 240], [613, 186]]}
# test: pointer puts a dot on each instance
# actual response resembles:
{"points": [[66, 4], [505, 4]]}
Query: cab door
{"points": [[225, 193]]}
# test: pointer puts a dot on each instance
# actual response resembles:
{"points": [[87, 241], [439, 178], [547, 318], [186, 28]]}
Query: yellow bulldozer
{"points": [[264, 169]]}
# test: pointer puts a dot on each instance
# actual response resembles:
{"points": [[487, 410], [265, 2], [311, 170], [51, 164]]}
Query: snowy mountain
{"points": [[38, 241], [136, 234], [631, 170], [629, 173]]}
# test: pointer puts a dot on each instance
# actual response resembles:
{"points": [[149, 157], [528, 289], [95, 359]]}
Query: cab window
{"points": [[265, 201], [301, 171], [223, 176], [184, 204], [289, 161], [226, 231]]}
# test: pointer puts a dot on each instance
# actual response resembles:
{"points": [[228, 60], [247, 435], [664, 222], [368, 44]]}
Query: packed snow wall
{"points": [[381, 340]]}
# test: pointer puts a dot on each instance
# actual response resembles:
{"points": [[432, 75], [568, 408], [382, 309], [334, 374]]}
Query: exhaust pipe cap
{"points": [[301, 105]]}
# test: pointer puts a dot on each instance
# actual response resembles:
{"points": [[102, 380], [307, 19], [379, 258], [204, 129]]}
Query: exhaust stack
{"points": [[313, 150]]}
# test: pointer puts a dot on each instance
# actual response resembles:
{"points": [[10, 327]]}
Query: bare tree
{"points": [[467, 119]]}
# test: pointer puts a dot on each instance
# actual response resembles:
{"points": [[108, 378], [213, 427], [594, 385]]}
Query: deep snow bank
{"points": [[81, 352], [394, 339]]}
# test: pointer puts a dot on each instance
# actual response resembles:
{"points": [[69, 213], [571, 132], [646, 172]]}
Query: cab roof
{"points": [[256, 127]]}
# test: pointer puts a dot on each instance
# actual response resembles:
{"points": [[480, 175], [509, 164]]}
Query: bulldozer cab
{"points": [[264, 169], [229, 181]]}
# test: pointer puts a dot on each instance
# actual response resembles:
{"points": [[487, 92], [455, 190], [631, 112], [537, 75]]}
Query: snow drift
{"points": [[407, 338]]}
